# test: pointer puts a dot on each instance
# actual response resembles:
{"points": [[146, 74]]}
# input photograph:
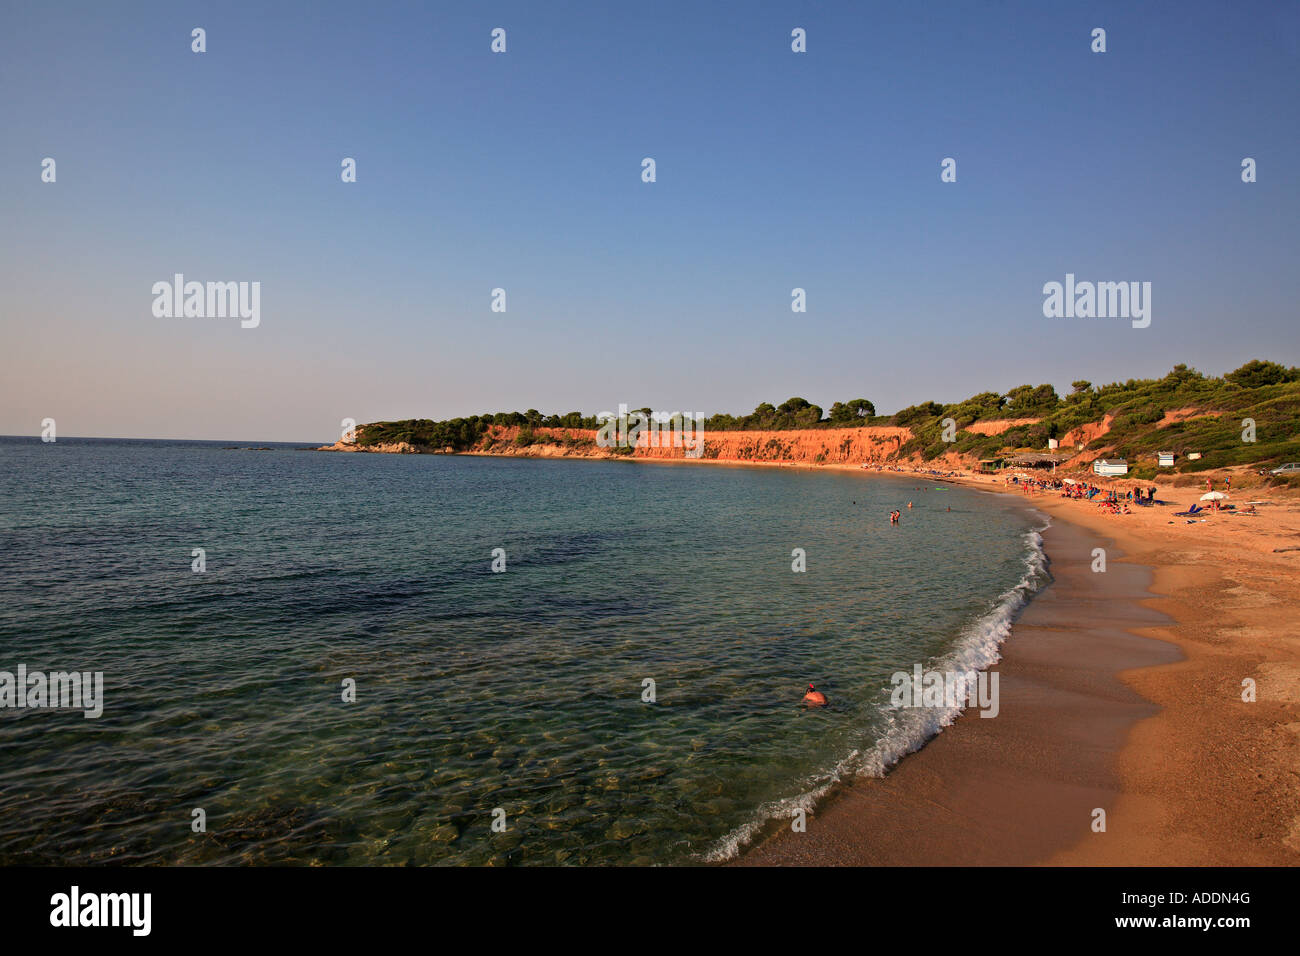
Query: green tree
{"points": [[1028, 400], [914, 413], [1182, 374], [852, 411], [1255, 374]]}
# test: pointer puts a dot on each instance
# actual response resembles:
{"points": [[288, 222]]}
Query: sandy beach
{"points": [[1120, 691], [1210, 779]]}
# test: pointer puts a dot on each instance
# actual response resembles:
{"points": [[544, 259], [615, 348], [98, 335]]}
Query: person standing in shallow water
{"points": [[814, 697]]}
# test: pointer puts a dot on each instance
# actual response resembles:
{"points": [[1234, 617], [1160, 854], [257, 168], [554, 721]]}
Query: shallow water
{"points": [[475, 690]]}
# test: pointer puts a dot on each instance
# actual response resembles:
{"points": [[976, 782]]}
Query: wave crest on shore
{"points": [[909, 729]]}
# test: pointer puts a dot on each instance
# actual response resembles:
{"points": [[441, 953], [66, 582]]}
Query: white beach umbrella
{"points": [[1213, 496]]}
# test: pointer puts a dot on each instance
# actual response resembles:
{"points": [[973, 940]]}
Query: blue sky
{"points": [[522, 171]]}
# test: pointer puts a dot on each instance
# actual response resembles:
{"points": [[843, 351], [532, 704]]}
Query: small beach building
{"points": [[1110, 467], [1165, 459], [988, 465]]}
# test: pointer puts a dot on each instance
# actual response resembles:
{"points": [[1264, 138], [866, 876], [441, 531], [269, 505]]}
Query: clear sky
{"points": [[522, 171]]}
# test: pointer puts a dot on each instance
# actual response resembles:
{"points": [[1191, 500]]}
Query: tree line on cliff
{"points": [[460, 434], [1262, 391]]}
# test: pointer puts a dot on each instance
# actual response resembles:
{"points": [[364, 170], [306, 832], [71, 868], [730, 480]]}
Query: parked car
{"points": [[1290, 468]]}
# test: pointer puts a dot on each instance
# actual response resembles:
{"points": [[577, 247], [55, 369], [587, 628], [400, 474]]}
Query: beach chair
{"points": [[1193, 510]]}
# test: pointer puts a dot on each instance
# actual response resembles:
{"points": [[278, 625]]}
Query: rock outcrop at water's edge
{"points": [[396, 448]]}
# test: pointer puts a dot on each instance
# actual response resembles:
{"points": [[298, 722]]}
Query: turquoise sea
{"points": [[519, 692]]}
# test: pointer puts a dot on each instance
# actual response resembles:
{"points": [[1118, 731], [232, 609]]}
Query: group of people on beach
{"points": [[1112, 502], [1109, 500]]}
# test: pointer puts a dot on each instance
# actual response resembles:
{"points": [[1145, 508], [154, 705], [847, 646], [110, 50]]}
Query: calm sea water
{"points": [[476, 690]]}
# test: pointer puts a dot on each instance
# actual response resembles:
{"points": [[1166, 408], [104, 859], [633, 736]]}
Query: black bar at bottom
{"points": [[916, 907]]}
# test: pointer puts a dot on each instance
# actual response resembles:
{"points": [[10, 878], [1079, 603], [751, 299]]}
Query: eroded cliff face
{"points": [[810, 446], [1086, 433]]}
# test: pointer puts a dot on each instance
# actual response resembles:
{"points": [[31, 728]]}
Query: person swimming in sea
{"points": [[894, 516], [814, 697]]}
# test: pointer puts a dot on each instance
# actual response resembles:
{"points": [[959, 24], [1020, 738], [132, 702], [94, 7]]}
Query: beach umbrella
{"points": [[1213, 496]]}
